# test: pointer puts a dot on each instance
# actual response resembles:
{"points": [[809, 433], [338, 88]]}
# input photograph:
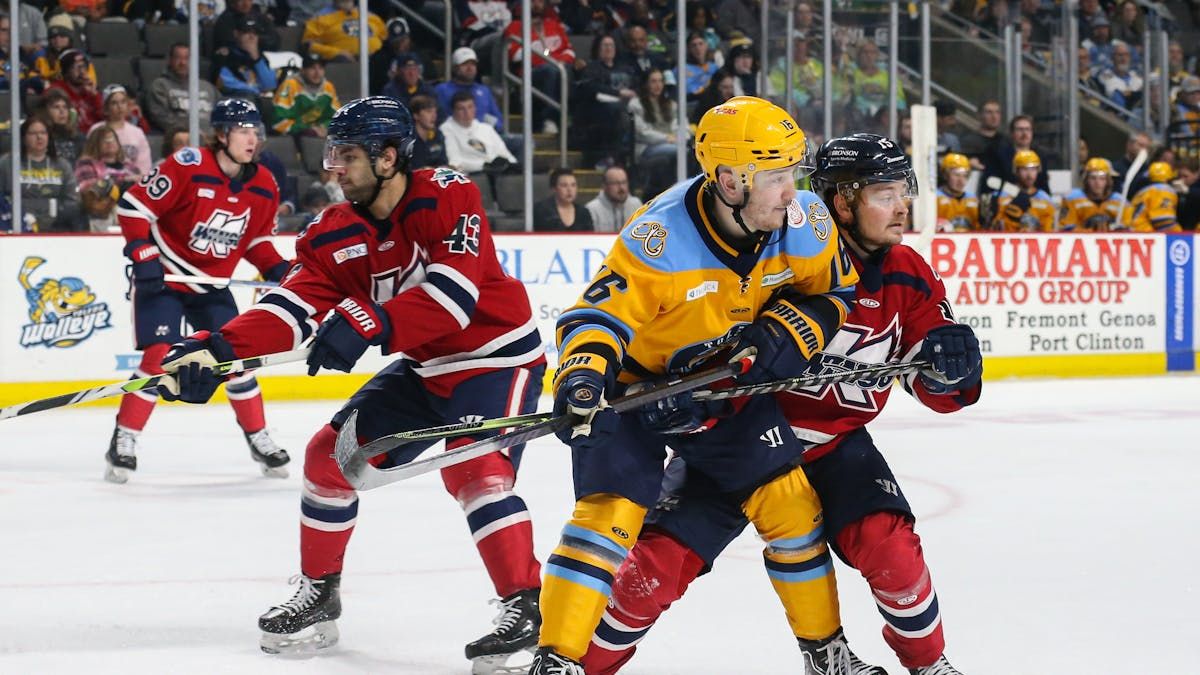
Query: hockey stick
{"points": [[219, 282], [867, 374], [144, 383], [1134, 169], [463, 428], [352, 458]]}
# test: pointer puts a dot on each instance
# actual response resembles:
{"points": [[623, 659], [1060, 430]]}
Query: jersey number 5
{"points": [[465, 237]]}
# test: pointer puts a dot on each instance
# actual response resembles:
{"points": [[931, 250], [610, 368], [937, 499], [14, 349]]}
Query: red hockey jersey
{"points": [[898, 302], [431, 265], [201, 221]]}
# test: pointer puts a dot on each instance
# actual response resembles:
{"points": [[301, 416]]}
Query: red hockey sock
{"points": [[655, 574], [136, 407], [884, 548], [328, 509], [246, 399], [498, 518]]}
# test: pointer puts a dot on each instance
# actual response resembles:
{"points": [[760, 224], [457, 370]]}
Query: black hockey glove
{"points": [[582, 394], [343, 338], [776, 354], [147, 269], [682, 414], [953, 354], [190, 364]]}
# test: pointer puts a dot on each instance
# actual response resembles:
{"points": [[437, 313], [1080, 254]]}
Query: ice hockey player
{"points": [[957, 207], [408, 265], [1031, 209], [1096, 207], [734, 258], [1155, 207], [901, 314], [198, 213]]}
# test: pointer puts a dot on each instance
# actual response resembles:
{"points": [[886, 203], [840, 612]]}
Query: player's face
{"points": [[1097, 184], [1027, 176], [882, 213], [242, 144], [352, 167], [956, 180], [773, 190]]}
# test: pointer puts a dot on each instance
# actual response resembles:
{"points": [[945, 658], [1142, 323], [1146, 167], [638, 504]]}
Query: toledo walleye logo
{"points": [[63, 312]]}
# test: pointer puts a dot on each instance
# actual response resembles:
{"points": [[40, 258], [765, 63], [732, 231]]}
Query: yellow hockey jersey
{"points": [[957, 214], [335, 31], [1154, 209], [672, 292], [1037, 217], [1081, 214]]}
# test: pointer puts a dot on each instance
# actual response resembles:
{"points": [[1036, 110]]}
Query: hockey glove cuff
{"points": [[581, 395], [955, 361], [342, 340], [189, 367], [147, 268], [776, 353]]}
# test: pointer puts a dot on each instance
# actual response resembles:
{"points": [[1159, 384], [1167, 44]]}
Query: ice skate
{"points": [[516, 631], [307, 621], [272, 458], [546, 662], [939, 667], [121, 458], [832, 656]]}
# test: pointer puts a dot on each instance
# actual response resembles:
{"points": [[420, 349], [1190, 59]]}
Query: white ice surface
{"points": [[1061, 522]]}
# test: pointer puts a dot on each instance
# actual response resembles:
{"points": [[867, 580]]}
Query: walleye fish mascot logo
{"points": [[63, 312]]}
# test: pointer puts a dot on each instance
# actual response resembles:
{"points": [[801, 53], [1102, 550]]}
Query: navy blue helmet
{"points": [[849, 163], [373, 123], [235, 112]]}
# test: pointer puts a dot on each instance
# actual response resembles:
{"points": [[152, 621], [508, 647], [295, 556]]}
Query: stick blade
{"points": [[349, 456]]}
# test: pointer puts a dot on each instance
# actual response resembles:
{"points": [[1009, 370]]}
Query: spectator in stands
{"points": [[1129, 23], [1030, 48], [806, 21], [642, 14], [49, 199], [131, 137], [947, 124], [1122, 85], [719, 90], [471, 145], [700, 65], [808, 83], [1187, 107], [173, 140], [168, 100], [385, 63], [547, 36], [80, 88], [462, 78], [1100, 44], [700, 20], [313, 203], [994, 15], [31, 29], [287, 188], [243, 71], [744, 70], [407, 84], [64, 130], [46, 62], [480, 18], [638, 59], [306, 101], [334, 33], [737, 17], [559, 212], [30, 82], [868, 86], [611, 209], [604, 90], [1189, 205], [429, 148], [1087, 76], [327, 181], [983, 146], [98, 196], [147, 11], [656, 134], [1021, 139], [103, 148], [224, 31], [1089, 12], [1041, 20], [300, 11]]}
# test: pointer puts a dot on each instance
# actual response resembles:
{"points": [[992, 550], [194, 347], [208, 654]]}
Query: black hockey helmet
{"points": [[372, 123], [847, 164]]}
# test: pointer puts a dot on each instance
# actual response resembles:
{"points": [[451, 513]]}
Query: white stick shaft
{"points": [[221, 282]]}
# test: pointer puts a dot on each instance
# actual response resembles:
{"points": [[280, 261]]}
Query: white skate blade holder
{"points": [[316, 637], [497, 664]]}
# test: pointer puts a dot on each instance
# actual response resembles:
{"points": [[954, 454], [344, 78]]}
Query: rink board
{"points": [[1056, 305]]}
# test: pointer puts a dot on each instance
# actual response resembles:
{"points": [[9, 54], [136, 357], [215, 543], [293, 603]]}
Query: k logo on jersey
{"points": [[854, 347], [220, 235]]}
